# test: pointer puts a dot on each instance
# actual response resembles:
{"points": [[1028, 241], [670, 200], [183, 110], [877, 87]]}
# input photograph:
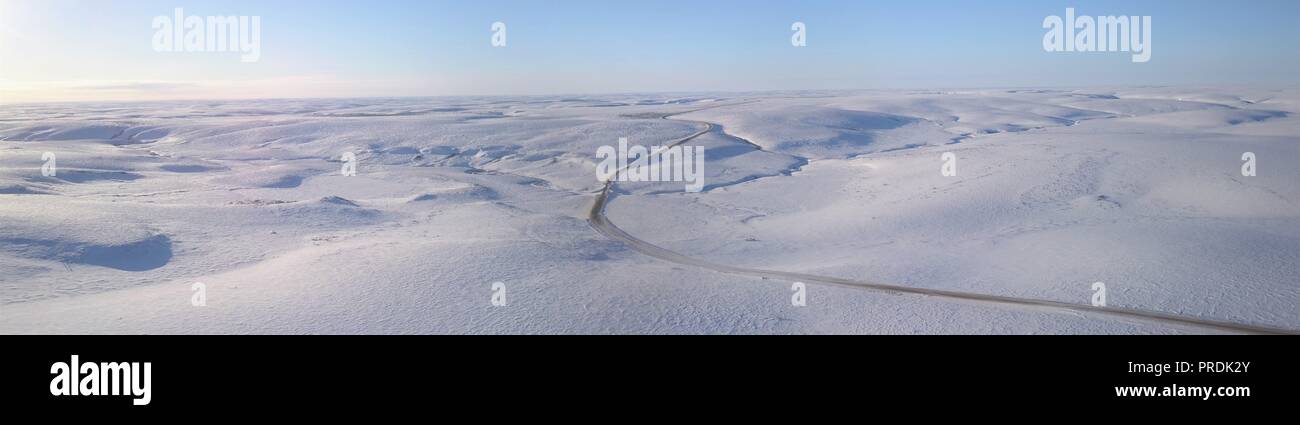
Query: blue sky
{"points": [[101, 50]]}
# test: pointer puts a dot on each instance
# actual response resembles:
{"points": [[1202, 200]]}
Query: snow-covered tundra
{"points": [[475, 215]]}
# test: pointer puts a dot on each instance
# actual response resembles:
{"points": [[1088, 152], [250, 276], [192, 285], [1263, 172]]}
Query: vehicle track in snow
{"points": [[600, 222]]}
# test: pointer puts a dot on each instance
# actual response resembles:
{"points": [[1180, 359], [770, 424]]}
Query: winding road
{"points": [[600, 222]]}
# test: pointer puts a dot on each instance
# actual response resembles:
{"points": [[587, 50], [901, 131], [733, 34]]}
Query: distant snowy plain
{"points": [[1139, 188]]}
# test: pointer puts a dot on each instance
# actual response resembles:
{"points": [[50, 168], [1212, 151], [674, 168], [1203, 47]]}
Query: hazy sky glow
{"points": [[57, 50]]}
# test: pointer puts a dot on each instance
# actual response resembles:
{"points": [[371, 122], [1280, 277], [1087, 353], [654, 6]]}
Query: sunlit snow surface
{"points": [[1139, 188]]}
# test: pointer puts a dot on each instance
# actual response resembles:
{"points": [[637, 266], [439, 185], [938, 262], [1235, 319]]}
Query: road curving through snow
{"points": [[600, 223]]}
